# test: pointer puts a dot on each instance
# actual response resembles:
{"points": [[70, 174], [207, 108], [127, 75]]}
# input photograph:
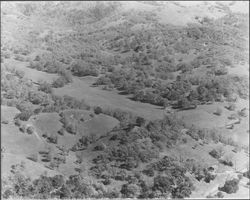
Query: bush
{"points": [[247, 174], [231, 107], [23, 128], [230, 186], [219, 195], [52, 139], [209, 177], [214, 154], [33, 157], [103, 81], [17, 122], [45, 87], [82, 68], [20, 73], [218, 111], [130, 190], [36, 97], [71, 128], [59, 82], [100, 147], [61, 131], [30, 130], [227, 160], [221, 71], [24, 116], [67, 75], [97, 110], [149, 172], [19, 58]]}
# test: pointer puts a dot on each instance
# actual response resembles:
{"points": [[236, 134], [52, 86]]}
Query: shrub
{"points": [[17, 122], [214, 154], [71, 128], [247, 174], [227, 160], [100, 147], [19, 58], [61, 131], [103, 80], [149, 172], [163, 184], [36, 97], [33, 157], [218, 111], [230, 186], [240, 176], [220, 150], [129, 164], [209, 177], [30, 130], [97, 110], [221, 71], [23, 128], [130, 190], [59, 82], [45, 87], [67, 75], [24, 116], [52, 139], [219, 195], [82, 68], [242, 113], [231, 107], [10, 94], [20, 73]]}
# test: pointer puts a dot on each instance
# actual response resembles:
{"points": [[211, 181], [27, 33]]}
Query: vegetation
{"points": [[230, 186], [137, 56]]}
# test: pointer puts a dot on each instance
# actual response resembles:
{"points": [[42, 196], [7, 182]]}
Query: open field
{"points": [[81, 89]]}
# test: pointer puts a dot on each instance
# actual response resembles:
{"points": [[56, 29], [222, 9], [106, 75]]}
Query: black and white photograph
{"points": [[125, 100]]}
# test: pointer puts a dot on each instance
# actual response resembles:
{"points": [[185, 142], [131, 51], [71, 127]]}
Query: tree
{"points": [[149, 172], [42, 187], [24, 116], [221, 71], [140, 121], [220, 151], [214, 154], [45, 87], [130, 190], [183, 103], [220, 194], [30, 130], [37, 97], [230, 186], [97, 110], [228, 160], [247, 174], [59, 82], [163, 184], [183, 190]]}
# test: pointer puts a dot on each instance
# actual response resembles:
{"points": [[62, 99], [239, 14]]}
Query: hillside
{"points": [[122, 99]]}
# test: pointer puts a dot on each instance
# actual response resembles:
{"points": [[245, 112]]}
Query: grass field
{"points": [[17, 146], [81, 89]]}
